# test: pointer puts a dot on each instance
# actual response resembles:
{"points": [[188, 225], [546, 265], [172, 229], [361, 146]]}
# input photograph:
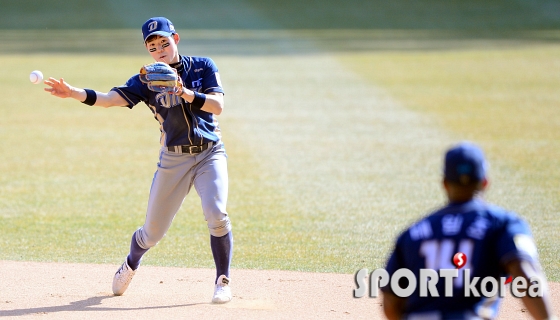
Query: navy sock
{"points": [[222, 250], [136, 253]]}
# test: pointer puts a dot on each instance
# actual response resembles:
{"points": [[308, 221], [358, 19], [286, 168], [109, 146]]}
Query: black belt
{"points": [[190, 149]]}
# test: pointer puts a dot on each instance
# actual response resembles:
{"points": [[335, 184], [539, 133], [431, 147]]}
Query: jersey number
{"points": [[438, 254]]}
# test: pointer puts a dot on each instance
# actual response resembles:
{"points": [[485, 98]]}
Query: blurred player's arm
{"points": [[539, 307], [62, 89], [393, 305]]}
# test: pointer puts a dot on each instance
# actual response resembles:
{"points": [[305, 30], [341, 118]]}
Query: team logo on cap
{"points": [[152, 26]]}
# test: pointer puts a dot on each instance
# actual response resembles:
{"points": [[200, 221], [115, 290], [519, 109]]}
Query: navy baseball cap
{"points": [[157, 25], [465, 164]]}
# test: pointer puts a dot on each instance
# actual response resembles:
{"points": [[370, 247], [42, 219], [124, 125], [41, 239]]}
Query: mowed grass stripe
{"points": [[346, 167], [507, 100]]}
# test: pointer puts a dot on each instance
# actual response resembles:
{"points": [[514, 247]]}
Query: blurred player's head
{"points": [[161, 39], [464, 172]]}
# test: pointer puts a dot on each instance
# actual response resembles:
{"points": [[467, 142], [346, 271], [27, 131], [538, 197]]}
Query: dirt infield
{"points": [[83, 291]]}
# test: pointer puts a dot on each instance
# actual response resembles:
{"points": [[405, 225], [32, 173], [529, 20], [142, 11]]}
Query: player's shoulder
{"points": [[453, 218], [197, 61], [498, 215], [132, 84], [475, 208], [199, 58]]}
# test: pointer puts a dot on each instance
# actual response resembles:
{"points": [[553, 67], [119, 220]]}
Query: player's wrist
{"points": [[91, 97], [198, 100], [180, 91], [77, 93], [71, 92]]}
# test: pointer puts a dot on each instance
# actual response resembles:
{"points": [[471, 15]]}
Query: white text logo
{"points": [[429, 278]]}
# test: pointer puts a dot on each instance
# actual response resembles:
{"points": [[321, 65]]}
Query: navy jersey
{"points": [[180, 123], [488, 235]]}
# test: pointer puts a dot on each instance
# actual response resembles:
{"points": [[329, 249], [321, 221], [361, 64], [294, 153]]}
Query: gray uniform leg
{"points": [[173, 180]]}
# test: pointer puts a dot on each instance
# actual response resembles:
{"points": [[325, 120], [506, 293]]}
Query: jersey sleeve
{"points": [[212, 81], [516, 242], [133, 91]]}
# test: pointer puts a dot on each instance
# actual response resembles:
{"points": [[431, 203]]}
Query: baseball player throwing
{"points": [[495, 242], [185, 95]]}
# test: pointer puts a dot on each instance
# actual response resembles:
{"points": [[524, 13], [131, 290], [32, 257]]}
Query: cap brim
{"points": [[159, 33]]}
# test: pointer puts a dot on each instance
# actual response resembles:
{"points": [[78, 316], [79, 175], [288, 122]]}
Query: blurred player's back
{"points": [[478, 230], [487, 241]]}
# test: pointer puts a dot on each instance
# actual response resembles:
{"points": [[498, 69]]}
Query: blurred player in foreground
{"points": [[496, 242]]}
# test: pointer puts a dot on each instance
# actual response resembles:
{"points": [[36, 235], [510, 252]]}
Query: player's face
{"points": [[163, 49]]}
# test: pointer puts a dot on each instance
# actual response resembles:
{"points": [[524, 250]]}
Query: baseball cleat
{"points": [[122, 279], [222, 291]]}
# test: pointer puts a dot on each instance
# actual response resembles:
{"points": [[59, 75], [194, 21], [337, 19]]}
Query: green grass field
{"points": [[335, 125]]}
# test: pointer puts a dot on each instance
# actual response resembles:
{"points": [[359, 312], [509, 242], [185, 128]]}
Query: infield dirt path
{"points": [[32, 290]]}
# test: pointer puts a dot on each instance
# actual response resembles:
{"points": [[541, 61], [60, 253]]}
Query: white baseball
{"points": [[36, 77]]}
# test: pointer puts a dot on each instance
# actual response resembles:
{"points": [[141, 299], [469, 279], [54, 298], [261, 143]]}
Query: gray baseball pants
{"points": [[175, 175]]}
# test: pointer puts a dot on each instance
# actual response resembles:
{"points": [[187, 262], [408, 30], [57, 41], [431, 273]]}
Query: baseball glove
{"points": [[160, 77]]}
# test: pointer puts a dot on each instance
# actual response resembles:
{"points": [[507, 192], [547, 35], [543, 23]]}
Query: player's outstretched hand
{"points": [[58, 88]]}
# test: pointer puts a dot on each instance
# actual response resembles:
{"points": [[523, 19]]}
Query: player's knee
{"points": [[217, 219], [219, 228], [146, 239]]}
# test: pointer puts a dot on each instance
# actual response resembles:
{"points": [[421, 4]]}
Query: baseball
{"points": [[36, 77]]}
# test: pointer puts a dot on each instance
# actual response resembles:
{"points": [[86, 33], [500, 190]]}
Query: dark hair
{"points": [[154, 36], [472, 185], [462, 192]]}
